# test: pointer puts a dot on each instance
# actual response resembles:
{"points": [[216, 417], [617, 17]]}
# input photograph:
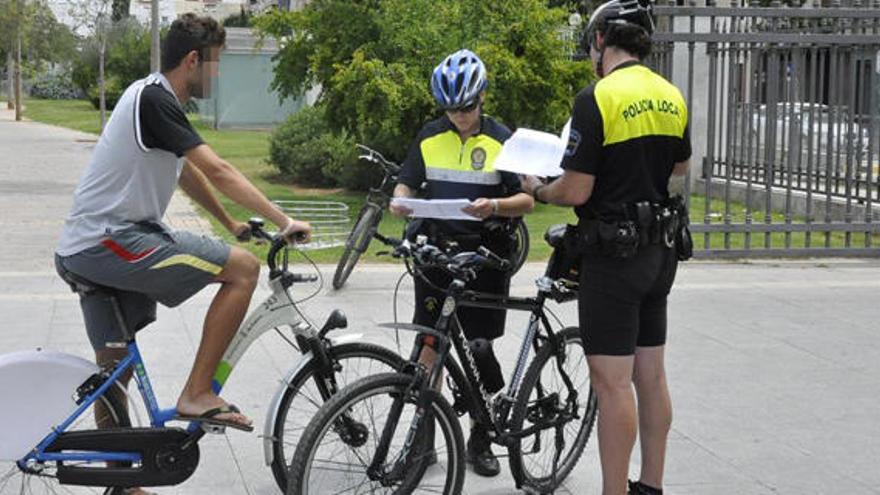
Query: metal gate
{"points": [[785, 110]]}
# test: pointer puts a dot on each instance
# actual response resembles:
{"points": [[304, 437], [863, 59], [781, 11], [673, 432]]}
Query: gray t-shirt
{"points": [[135, 166]]}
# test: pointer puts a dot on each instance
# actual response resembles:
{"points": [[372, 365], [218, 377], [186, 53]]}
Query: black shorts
{"points": [[622, 303], [476, 322]]}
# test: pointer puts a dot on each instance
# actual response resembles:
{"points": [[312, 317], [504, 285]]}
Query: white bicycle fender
{"points": [[347, 338], [274, 411], [37, 390]]}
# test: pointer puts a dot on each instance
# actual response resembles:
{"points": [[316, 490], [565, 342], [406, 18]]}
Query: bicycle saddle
{"points": [[555, 234], [82, 285]]}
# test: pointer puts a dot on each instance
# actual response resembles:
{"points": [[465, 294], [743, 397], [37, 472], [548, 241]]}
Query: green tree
{"points": [[120, 9], [374, 74], [127, 60]]}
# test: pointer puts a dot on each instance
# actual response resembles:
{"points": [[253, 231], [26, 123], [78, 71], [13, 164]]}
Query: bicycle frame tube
{"points": [[39, 453], [277, 310]]}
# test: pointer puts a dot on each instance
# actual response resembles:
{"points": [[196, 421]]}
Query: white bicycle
{"points": [[53, 402]]}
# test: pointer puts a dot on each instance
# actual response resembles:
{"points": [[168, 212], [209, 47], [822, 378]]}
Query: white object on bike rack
{"points": [[37, 390], [329, 219]]}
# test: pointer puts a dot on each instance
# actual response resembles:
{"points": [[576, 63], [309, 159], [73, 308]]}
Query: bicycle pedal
{"points": [[213, 429]]}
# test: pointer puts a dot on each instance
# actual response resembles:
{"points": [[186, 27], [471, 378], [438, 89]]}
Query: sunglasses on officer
{"points": [[470, 107]]}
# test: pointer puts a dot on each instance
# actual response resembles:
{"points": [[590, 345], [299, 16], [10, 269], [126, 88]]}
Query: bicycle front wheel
{"points": [[357, 243], [341, 441], [108, 411], [543, 460], [302, 399]]}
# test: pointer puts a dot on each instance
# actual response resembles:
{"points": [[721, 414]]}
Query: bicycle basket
{"points": [[565, 262], [329, 219]]}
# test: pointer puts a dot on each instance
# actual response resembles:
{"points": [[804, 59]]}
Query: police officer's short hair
{"points": [[628, 37], [187, 33]]}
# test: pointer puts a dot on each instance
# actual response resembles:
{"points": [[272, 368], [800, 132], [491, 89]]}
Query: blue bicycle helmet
{"points": [[458, 81]]}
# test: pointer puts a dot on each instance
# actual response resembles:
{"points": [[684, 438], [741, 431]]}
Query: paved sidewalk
{"points": [[773, 366]]}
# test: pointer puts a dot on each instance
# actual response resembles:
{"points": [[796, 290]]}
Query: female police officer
{"points": [[628, 135], [454, 156]]}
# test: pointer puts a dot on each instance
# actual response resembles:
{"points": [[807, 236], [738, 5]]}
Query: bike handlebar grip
{"points": [[389, 241], [298, 277]]}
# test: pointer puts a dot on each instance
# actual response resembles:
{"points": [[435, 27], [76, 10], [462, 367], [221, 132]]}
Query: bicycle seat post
{"points": [[120, 319]]}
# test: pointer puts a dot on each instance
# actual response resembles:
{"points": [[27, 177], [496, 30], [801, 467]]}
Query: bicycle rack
{"points": [[330, 221]]}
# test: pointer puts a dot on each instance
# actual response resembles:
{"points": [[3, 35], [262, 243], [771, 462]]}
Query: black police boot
{"points": [[639, 488], [479, 452]]}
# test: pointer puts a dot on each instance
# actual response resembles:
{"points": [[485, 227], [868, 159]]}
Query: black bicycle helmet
{"points": [[619, 12]]}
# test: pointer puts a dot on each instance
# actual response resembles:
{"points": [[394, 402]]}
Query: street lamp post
{"points": [[154, 33]]}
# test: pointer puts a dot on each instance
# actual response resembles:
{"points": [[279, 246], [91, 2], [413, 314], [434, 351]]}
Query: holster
{"points": [[681, 233]]}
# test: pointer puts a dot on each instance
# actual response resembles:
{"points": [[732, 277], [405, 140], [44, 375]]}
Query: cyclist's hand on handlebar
{"points": [[296, 232], [398, 210], [240, 230]]}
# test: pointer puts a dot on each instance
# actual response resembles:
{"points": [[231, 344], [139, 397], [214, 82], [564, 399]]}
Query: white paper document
{"points": [[531, 152], [446, 209]]}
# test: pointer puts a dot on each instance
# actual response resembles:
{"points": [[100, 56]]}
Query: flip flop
{"points": [[208, 417]]}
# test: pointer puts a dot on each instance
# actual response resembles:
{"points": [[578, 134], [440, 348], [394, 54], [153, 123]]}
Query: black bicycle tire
{"points": [[444, 417], [354, 349], [546, 485], [352, 251], [521, 254]]}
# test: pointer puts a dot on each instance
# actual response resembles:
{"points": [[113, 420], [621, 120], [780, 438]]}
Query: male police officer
{"points": [[454, 156], [628, 135]]}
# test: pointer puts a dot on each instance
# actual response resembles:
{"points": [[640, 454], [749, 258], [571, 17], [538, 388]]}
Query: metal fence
{"points": [[785, 106]]}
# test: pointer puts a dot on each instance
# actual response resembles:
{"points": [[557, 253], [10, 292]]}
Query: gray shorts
{"points": [[144, 264]]}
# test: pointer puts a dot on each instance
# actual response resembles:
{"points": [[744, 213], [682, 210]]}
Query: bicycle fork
{"points": [[420, 422]]}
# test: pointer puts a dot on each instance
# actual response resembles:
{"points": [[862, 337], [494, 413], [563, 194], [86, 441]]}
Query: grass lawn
{"points": [[248, 151]]}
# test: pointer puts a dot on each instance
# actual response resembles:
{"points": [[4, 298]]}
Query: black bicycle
{"points": [[370, 217], [544, 418]]}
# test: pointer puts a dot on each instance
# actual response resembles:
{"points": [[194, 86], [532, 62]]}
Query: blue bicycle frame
{"points": [[158, 417]]}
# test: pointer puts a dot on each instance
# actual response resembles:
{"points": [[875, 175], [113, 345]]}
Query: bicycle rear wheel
{"points": [[301, 399], [330, 459], [357, 243], [40, 478], [543, 397]]}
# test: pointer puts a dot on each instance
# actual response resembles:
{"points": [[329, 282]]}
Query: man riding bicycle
{"points": [[114, 236]]}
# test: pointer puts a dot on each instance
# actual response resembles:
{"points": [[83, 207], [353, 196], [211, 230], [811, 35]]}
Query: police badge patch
{"points": [[574, 140], [478, 158]]}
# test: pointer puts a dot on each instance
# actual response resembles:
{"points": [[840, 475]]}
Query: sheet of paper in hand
{"points": [[531, 152], [445, 209]]}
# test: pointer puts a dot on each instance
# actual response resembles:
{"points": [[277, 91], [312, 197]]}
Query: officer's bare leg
{"points": [[655, 412], [611, 377], [239, 279]]}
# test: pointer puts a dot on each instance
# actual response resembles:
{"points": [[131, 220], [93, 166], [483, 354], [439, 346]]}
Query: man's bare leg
{"points": [[239, 278], [611, 377], [655, 412], [108, 357]]}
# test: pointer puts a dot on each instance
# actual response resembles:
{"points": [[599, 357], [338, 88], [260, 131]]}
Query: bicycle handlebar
{"points": [[278, 243], [461, 264], [374, 156]]}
